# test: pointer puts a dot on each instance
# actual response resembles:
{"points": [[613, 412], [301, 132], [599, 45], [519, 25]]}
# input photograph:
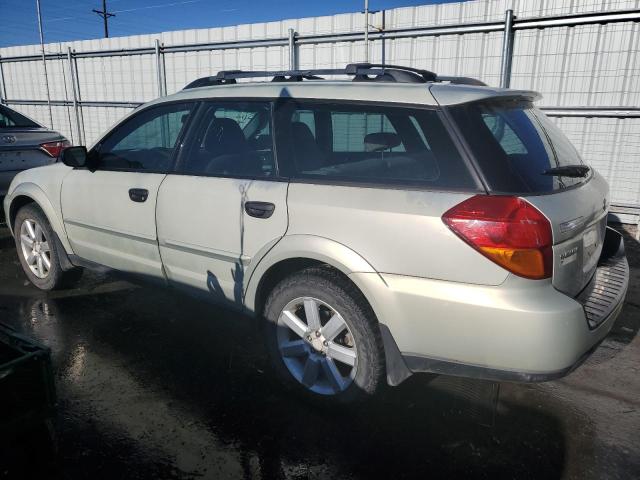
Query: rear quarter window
{"points": [[369, 144], [514, 144]]}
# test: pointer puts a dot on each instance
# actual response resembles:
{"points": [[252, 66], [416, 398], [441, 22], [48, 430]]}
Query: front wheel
{"points": [[38, 251], [322, 337]]}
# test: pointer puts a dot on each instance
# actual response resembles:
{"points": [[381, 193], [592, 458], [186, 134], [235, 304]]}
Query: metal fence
{"points": [[584, 63]]}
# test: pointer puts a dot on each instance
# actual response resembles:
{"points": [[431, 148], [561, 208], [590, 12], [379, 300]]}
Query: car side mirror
{"points": [[75, 156]]}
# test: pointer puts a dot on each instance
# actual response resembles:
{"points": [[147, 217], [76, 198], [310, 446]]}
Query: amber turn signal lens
{"points": [[528, 263]]}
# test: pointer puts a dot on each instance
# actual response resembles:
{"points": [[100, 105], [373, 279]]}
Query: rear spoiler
{"points": [[449, 95]]}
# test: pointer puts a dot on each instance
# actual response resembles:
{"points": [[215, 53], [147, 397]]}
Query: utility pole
{"points": [[44, 62], [105, 17]]}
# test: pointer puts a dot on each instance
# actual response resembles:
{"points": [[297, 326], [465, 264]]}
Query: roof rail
{"points": [[361, 72]]}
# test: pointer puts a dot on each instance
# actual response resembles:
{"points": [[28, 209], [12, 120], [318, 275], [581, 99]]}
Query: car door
{"points": [[225, 204], [109, 208]]}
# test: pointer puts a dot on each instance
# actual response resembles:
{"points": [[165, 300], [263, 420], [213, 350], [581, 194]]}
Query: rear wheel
{"points": [[322, 337], [38, 251]]}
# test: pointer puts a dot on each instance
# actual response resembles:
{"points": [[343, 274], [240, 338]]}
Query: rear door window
{"points": [[231, 138], [368, 144], [514, 144]]}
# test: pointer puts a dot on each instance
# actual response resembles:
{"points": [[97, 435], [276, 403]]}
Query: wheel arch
{"points": [[27, 193], [16, 204], [296, 252]]}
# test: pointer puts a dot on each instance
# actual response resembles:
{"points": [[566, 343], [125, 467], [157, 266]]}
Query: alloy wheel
{"points": [[317, 346], [35, 248]]}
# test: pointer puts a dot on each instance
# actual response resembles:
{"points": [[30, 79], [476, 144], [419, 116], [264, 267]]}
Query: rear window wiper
{"points": [[568, 171]]}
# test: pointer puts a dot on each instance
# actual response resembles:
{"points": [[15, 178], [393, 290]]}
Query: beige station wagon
{"points": [[382, 222]]}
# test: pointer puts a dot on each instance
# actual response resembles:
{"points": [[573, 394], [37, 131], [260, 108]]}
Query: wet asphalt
{"points": [[154, 384]]}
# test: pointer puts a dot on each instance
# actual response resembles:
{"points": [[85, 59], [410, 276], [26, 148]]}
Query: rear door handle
{"points": [[139, 194], [259, 209]]}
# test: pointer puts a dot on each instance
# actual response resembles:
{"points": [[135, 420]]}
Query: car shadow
{"points": [[160, 384]]}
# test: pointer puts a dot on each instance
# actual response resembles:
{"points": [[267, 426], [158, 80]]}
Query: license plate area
{"points": [[591, 246]]}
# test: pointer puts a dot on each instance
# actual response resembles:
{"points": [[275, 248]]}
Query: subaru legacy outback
{"points": [[387, 223]]}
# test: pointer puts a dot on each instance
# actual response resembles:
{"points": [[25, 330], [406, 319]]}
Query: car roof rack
{"points": [[361, 72]]}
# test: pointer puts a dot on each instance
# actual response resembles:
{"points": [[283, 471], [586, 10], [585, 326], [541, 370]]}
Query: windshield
{"points": [[11, 119], [515, 144]]}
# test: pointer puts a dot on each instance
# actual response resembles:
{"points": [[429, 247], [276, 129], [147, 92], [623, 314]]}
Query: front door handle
{"points": [[259, 209], [139, 194]]}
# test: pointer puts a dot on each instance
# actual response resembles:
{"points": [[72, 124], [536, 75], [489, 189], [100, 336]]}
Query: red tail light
{"points": [[54, 149], [508, 230]]}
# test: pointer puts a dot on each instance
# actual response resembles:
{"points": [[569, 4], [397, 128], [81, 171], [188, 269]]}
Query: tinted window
{"points": [[514, 144], [146, 141], [350, 128], [307, 117], [369, 144], [231, 138], [10, 118]]}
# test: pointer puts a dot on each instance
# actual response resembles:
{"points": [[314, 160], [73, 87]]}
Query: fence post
{"points": [[72, 76], [507, 50], [366, 31], [3, 88], [292, 49], [74, 59], [382, 39], [160, 70]]}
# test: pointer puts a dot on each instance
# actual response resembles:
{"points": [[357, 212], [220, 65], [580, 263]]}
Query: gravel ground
{"points": [[154, 384]]}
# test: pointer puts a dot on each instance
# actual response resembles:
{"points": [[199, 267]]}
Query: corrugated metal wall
{"points": [[585, 66]]}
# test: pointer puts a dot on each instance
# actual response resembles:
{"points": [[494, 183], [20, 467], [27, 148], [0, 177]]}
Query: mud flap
{"points": [[397, 370]]}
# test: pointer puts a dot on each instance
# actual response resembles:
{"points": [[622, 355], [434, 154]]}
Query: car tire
{"points": [[336, 298], [32, 222]]}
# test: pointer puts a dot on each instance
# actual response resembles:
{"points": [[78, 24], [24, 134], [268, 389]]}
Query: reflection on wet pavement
{"points": [[154, 384]]}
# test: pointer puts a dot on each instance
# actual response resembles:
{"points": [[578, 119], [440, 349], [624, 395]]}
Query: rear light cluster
{"points": [[508, 230], [54, 149]]}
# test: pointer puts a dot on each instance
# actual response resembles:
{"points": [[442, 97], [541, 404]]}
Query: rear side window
{"points": [[231, 139], [12, 119], [369, 144], [351, 128], [514, 143]]}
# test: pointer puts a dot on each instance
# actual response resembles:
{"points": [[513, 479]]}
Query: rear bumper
{"points": [[522, 330], [416, 364]]}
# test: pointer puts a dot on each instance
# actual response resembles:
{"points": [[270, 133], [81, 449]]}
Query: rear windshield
{"points": [[514, 144], [10, 118]]}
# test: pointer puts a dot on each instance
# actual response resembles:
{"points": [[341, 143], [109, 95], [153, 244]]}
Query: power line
{"points": [[105, 17], [160, 5]]}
